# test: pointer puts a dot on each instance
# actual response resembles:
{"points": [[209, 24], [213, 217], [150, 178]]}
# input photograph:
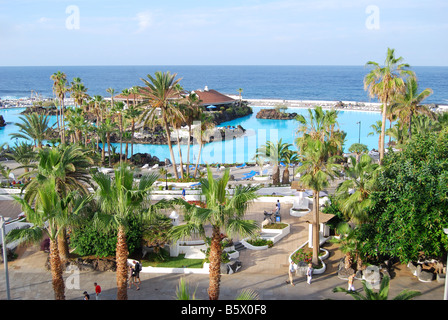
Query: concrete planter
{"points": [[251, 247], [275, 234], [299, 212]]}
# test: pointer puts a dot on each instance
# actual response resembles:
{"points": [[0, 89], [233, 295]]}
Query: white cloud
{"points": [[145, 20]]}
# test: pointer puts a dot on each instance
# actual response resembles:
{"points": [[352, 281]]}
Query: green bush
{"points": [[89, 241]]}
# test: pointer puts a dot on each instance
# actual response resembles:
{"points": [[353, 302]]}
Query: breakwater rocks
{"points": [[275, 114]]}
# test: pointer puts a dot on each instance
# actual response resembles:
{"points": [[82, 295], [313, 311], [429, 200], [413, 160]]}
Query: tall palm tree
{"points": [[176, 121], [106, 129], [47, 215], [66, 165], [132, 113], [118, 108], [316, 170], [385, 82], [78, 91], [192, 113], [118, 198], [382, 294], [225, 213], [33, 127], [409, 102], [159, 94], [59, 78], [202, 133]]}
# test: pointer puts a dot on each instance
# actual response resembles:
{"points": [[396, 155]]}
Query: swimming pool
{"points": [[240, 149]]}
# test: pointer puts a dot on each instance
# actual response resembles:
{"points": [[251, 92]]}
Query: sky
{"points": [[221, 32]]}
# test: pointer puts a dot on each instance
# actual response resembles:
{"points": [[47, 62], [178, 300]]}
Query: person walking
{"points": [[86, 296], [137, 269], [351, 286], [183, 193], [309, 273], [292, 269], [97, 290]]}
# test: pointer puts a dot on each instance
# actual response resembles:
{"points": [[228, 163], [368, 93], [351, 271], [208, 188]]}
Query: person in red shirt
{"points": [[97, 291]]}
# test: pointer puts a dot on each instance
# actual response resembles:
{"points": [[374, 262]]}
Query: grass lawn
{"points": [[173, 262]]}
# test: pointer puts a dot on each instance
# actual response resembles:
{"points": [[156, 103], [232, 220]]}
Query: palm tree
{"points": [[225, 213], [409, 102], [67, 166], [201, 133], [78, 91], [376, 127], [118, 108], [382, 294], [176, 121], [316, 170], [59, 79], [106, 129], [133, 113], [23, 154], [159, 93], [192, 112], [361, 181], [385, 83], [240, 91], [48, 215], [274, 152], [33, 127], [320, 125], [118, 198]]}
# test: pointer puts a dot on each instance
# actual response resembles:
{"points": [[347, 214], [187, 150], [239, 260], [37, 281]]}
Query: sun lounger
{"points": [[146, 166], [241, 166], [155, 166]]}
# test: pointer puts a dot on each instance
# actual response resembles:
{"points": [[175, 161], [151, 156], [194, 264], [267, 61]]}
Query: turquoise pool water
{"points": [[241, 149]]}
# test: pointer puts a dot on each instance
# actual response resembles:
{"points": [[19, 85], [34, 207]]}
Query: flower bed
{"points": [[304, 254], [257, 244]]}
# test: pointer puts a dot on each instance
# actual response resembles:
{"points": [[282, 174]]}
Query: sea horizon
{"points": [[288, 82]]}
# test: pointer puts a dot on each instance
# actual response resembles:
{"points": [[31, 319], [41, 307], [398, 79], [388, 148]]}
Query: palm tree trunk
{"points": [[285, 178], [180, 157], [188, 151], [170, 146], [276, 175], [63, 245], [132, 137], [122, 268], [56, 272], [108, 149], [316, 240], [197, 162], [410, 124], [215, 265], [121, 138], [383, 131]]}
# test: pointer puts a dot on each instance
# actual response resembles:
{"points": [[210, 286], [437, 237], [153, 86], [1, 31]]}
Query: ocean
{"points": [[331, 83], [324, 83]]}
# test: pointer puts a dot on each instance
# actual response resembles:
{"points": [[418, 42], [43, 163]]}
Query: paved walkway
{"points": [[263, 271]]}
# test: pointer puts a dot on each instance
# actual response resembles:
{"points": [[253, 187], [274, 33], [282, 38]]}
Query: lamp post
{"points": [[445, 296], [5, 256], [359, 131]]}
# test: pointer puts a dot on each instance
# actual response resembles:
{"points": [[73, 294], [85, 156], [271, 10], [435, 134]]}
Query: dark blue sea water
{"points": [[280, 82]]}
